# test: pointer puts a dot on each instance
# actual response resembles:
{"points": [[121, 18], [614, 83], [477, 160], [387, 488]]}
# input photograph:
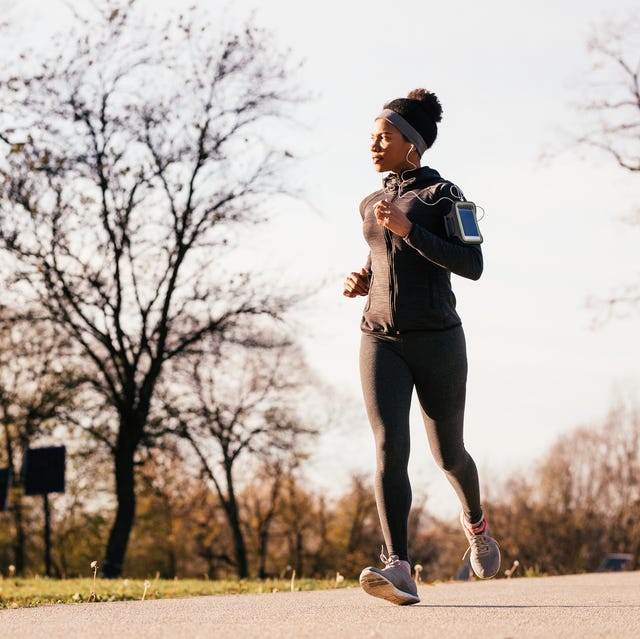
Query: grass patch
{"points": [[16, 592]]}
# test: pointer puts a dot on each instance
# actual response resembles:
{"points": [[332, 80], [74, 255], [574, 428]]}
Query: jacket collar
{"points": [[422, 176]]}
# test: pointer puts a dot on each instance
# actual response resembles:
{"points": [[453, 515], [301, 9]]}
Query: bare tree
{"points": [[614, 101], [241, 410], [262, 499], [612, 123], [135, 155]]}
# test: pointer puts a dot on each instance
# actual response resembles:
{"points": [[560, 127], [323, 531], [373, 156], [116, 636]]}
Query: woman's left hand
{"points": [[391, 217]]}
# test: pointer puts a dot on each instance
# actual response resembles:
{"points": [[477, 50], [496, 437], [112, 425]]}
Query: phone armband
{"points": [[462, 223]]}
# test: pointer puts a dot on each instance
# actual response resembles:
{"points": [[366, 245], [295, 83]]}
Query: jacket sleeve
{"points": [[462, 259]]}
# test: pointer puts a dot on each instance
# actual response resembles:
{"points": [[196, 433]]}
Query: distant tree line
{"points": [[563, 515], [580, 503]]}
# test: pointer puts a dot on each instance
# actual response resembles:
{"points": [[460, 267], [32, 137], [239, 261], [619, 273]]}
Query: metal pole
{"points": [[47, 536]]}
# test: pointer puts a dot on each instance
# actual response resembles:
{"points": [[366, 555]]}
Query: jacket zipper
{"points": [[392, 276]]}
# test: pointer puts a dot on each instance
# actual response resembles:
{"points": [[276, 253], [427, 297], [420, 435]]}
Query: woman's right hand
{"points": [[356, 284]]}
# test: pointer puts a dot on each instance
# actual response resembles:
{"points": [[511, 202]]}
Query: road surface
{"points": [[603, 605]]}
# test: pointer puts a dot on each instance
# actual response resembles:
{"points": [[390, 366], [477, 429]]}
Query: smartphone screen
{"points": [[469, 225]]}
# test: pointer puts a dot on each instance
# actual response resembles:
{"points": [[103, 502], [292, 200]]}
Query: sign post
{"points": [[44, 474]]}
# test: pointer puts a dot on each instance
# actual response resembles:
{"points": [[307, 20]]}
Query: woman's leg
{"points": [[387, 385], [439, 365]]}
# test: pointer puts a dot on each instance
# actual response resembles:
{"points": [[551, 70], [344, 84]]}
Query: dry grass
{"points": [[16, 592]]}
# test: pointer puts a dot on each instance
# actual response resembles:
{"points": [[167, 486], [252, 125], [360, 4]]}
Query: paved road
{"points": [[577, 606]]}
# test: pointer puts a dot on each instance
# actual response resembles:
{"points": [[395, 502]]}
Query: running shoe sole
{"points": [[376, 585]]}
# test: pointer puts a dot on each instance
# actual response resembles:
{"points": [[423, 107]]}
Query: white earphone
{"points": [[412, 148]]}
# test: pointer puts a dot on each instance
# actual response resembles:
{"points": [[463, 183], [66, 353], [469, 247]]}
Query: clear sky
{"points": [[509, 76]]}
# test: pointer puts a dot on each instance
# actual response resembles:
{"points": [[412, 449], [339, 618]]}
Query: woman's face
{"points": [[389, 150]]}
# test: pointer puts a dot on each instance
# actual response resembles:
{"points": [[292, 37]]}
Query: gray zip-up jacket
{"points": [[410, 277]]}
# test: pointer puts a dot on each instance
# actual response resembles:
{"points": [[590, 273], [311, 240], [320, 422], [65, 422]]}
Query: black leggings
{"points": [[435, 363]]}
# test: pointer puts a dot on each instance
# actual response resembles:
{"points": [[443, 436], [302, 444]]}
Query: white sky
{"points": [[508, 75]]}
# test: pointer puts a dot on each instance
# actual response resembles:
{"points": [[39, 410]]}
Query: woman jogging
{"points": [[412, 336]]}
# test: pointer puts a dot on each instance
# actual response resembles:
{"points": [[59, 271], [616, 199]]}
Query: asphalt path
{"points": [[584, 606]]}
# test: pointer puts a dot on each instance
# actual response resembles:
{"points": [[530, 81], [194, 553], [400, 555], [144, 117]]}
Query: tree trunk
{"points": [[15, 498], [263, 541], [299, 563], [125, 513], [233, 515], [20, 536], [265, 524]]}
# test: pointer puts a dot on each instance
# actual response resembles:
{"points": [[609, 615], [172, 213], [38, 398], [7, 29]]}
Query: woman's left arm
{"points": [[462, 259]]}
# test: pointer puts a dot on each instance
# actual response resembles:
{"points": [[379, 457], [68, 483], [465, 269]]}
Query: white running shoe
{"points": [[393, 582], [483, 548]]}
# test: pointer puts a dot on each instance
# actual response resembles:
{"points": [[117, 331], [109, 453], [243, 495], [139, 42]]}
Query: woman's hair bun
{"points": [[429, 101]]}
